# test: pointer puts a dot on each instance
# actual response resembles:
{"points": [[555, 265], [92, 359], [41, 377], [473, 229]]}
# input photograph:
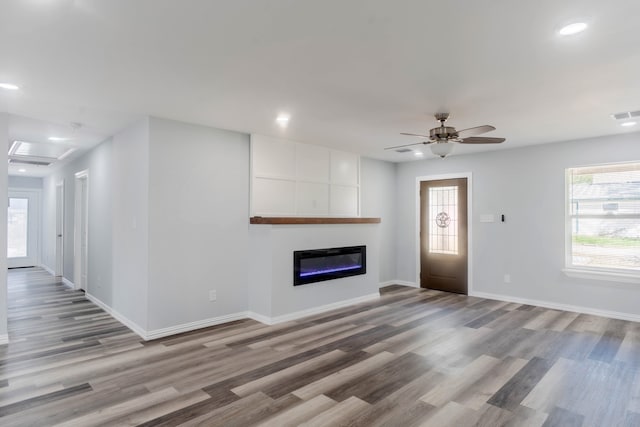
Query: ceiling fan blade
{"points": [[478, 130], [408, 145], [481, 140], [414, 134]]}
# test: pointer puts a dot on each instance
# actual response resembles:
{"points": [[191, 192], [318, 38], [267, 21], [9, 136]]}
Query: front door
{"points": [[443, 235], [22, 229]]}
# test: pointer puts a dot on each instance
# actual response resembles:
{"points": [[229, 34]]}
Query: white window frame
{"points": [[585, 272]]}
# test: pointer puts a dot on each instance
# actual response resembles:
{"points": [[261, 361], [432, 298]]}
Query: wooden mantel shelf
{"points": [[310, 220]]}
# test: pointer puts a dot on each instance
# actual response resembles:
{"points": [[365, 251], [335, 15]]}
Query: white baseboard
{"points": [[387, 283], [259, 318], [399, 282], [64, 280], [172, 330], [191, 326], [4, 339], [558, 306], [119, 317], [49, 270], [405, 283], [69, 283], [311, 311]]}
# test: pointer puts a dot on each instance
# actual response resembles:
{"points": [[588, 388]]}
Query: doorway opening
{"points": [[59, 270], [444, 235], [81, 230], [23, 228]]}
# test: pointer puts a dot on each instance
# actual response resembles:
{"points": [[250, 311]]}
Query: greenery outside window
{"points": [[603, 222]]}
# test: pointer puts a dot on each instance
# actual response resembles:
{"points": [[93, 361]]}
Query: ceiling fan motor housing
{"points": [[446, 132]]}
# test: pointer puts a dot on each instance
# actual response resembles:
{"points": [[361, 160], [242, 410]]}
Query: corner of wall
{"points": [[4, 187]]}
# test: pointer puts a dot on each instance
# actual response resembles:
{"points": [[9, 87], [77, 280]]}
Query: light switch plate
{"points": [[487, 218]]}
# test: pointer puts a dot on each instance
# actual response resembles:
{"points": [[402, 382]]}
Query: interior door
{"points": [[22, 229], [60, 230], [84, 241], [443, 235]]}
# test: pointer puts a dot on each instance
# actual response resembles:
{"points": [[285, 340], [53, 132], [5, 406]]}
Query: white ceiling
{"points": [[352, 74]]}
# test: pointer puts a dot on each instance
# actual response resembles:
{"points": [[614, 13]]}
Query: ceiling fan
{"points": [[442, 137]]}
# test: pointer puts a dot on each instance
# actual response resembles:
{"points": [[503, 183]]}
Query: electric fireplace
{"points": [[318, 265]]}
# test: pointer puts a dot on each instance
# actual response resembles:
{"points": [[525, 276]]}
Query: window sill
{"points": [[602, 275]]}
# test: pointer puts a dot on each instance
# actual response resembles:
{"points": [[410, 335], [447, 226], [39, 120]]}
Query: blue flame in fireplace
{"points": [[329, 270]]}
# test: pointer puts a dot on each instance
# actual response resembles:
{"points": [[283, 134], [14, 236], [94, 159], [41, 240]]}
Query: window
{"points": [[443, 219], [603, 221], [17, 220]]}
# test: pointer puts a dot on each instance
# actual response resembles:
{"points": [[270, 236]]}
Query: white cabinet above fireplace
{"points": [[293, 179]]}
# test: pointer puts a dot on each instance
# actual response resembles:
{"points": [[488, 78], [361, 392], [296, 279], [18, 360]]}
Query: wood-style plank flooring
{"points": [[415, 357]]}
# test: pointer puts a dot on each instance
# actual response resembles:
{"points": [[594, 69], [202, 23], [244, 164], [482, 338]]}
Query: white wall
{"points": [[378, 189], [527, 185], [130, 215], [98, 162], [169, 221], [26, 182], [293, 179], [4, 148], [272, 275], [198, 222]]}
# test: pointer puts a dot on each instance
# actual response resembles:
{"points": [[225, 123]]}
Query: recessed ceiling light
{"points": [[418, 154], [283, 120], [22, 170], [627, 124], [9, 86], [57, 138], [575, 28]]}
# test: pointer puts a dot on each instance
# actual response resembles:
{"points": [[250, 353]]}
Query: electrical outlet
{"points": [[507, 278], [212, 295]]}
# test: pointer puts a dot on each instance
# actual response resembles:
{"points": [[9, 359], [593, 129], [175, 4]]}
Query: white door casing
{"points": [[81, 230], [59, 238], [23, 222]]}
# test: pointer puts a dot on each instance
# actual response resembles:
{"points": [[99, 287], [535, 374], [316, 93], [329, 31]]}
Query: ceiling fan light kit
{"points": [[442, 137], [441, 149]]}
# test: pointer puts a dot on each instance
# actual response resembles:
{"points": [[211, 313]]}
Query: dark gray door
{"points": [[443, 235]]}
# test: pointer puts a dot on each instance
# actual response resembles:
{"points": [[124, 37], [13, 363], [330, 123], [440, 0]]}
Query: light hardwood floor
{"points": [[415, 357]]}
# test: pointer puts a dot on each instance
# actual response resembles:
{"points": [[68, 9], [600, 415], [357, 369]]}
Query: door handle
{"points": [[59, 235]]}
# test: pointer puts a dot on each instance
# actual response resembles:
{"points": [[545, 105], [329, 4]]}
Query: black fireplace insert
{"points": [[318, 265]]}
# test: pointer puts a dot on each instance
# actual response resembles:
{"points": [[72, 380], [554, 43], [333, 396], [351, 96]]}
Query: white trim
{"points": [[469, 177], [49, 270], [591, 273], [311, 311], [199, 324], [568, 230], [191, 326], [259, 317], [77, 233], [387, 283], [34, 224], [118, 316], [59, 211], [68, 283], [399, 282], [601, 275], [4, 339], [558, 306], [405, 283]]}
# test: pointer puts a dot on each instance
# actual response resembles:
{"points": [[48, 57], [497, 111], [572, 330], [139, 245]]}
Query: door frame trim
{"points": [[60, 272], [77, 233], [469, 177], [37, 194]]}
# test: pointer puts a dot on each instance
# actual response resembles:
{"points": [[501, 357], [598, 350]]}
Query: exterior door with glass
{"points": [[443, 235], [22, 228]]}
